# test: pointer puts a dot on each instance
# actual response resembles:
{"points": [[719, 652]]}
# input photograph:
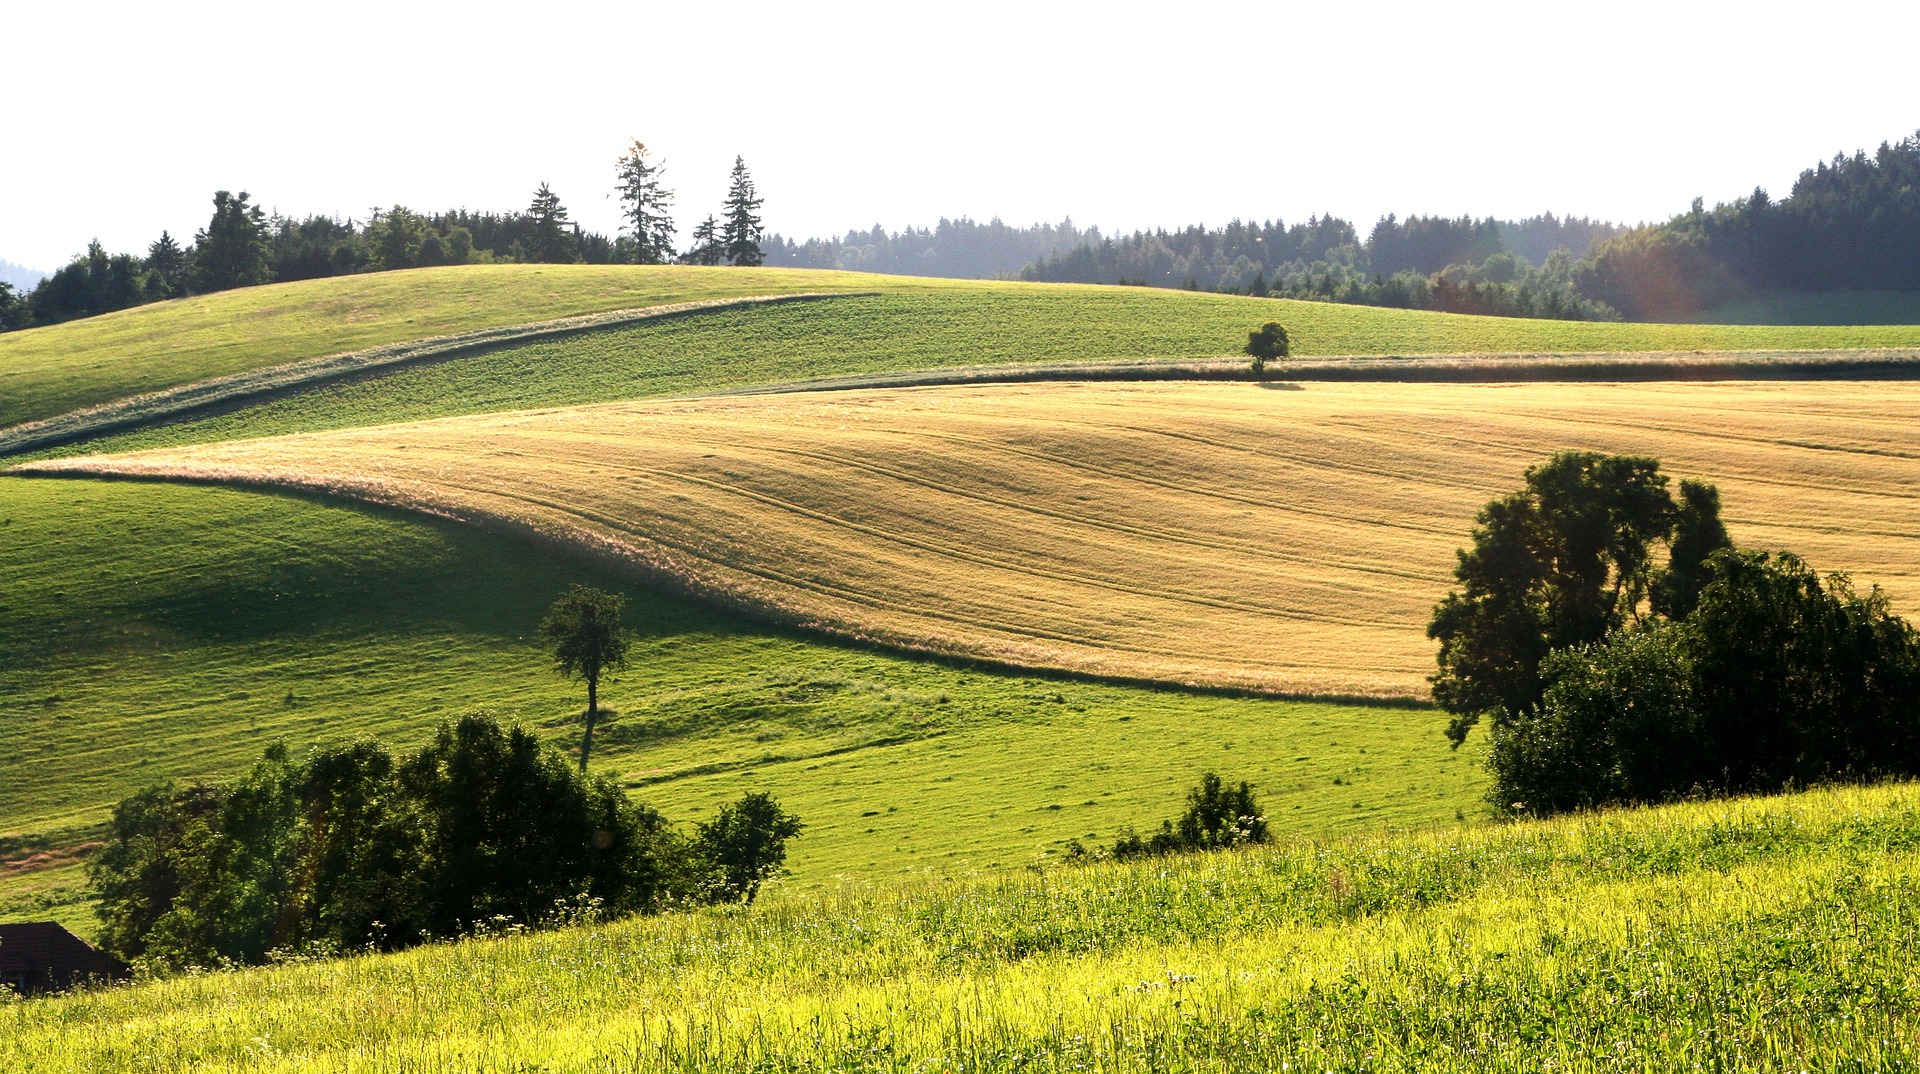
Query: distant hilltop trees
{"points": [[242, 245]]}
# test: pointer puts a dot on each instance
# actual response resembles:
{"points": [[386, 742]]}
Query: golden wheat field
{"points": [[1283, 538]]}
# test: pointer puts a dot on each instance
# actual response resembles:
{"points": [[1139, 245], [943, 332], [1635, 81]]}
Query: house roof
{"points": [[43, 954]]}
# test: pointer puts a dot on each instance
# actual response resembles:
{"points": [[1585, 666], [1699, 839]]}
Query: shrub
{"points": [[1217, 817]]}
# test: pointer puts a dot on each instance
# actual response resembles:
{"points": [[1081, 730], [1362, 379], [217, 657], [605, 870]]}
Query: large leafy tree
{"points": [[741, 231], [232, 250], [644, 200], [588, 643], [1563, 562]]}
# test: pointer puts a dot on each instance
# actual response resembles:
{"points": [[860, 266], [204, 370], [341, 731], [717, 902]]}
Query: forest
{"points": [[1849, 224]]}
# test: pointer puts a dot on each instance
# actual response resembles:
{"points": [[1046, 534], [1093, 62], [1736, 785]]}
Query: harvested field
{"points": [[1225, 535]]}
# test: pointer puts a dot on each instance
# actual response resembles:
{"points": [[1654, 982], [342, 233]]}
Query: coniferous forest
{"points": [[1848, 224]]}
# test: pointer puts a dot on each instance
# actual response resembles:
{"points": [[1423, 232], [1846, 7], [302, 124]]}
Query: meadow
{"points": [[167, 632], [48, 371], [1761, 934], [1223, 535]]}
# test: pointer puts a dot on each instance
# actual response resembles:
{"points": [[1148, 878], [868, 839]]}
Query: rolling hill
{"points": [[1753, 935], [1222, 535], [169, 631]]}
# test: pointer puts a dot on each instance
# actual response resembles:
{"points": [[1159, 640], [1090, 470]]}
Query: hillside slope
{"points": [[1215, 534], [48, 371], [166, 632], [1754, 935]]}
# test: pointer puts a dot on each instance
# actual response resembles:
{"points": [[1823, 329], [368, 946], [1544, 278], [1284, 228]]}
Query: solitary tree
{"points": [[644, 200], [741, 233], [1267, 344], [584, 627], [549, 238]]}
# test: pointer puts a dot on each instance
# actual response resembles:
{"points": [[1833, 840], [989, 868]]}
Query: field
{"points": [[951, 628], [47, 371], [1756, 935], [1226, 535], [163, 632]]}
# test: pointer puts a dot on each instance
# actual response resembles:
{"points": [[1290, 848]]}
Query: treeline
{"points": [[1849, 224], [959, 249], [1511, 268], [485, 827], [1622, 650], [242, 245]]}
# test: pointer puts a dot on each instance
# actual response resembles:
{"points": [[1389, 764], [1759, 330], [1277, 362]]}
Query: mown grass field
{"points": [[1754, 935], [47, 371], [1216, 534], [150, 632]]}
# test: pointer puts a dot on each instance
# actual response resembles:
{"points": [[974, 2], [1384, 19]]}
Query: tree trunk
{"points": [[593, 709]]}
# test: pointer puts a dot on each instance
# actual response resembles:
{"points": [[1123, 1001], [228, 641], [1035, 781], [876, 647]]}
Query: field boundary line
{"points": [[154, 407], [1487, 367]]}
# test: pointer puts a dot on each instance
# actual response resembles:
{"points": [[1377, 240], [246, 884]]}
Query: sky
{"points": [[126, 119]]}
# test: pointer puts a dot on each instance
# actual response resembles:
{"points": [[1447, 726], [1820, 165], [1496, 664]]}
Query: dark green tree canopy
{"points": [[742, 230], [1266, 344], [588, 644], [1563, 562], [232, 250], [550, 235], [747, 844]]}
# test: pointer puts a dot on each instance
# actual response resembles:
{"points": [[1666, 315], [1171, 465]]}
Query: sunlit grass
{"points": [[1762, 934]]}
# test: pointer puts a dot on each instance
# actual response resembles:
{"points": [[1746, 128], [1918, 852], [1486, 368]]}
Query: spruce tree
{"points": [[707, 248], [549, 238], [741, 234], [232, 250], [166, 268], [644, 200]]}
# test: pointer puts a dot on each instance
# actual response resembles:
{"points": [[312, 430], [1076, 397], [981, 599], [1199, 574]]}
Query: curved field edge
{"points": [[1752, 934], [255, 384], [1878, 364], [166, 631], [48, 371], [1213, 535]]}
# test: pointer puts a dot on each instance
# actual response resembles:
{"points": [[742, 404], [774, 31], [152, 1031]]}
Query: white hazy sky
{"points": [[124, 119]]}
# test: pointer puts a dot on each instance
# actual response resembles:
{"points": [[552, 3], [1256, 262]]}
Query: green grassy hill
{"points": [[151, 632], [47, 371], [169, 632], [1756, 935]]}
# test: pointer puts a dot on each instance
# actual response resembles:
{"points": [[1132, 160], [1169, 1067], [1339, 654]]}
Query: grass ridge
{"points": [[257, 384]]}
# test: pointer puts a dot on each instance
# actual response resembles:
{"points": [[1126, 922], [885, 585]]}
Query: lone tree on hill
{"points": [[549, 238], [584, 627], [1267, 344], [644, 200], [747, 844], [741, 233]]}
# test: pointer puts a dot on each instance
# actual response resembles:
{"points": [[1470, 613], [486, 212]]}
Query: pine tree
{"points": [[167, 275], [645, 200], [549, 236], [707, 248], [741, 233], [232, 250]]}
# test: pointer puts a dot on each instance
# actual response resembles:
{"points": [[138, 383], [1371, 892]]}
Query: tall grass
{"points": [[1752, 935]]}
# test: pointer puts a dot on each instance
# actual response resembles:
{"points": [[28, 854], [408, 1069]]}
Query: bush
{"points": [[349, 850], [1217, 817], [1775, 678]]}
